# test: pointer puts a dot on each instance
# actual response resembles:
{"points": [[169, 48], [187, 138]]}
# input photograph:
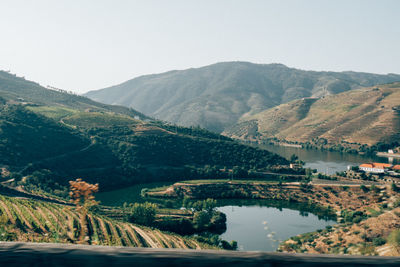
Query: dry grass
{"points": [[364, 116]]}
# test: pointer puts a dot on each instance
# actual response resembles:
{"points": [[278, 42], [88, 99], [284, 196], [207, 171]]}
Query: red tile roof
{"points": [[376, 165]]}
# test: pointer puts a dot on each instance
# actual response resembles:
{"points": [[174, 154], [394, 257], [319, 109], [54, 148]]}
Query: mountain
{"points": [[362, 116], [19, 90], [217, 96], [47, 141]]}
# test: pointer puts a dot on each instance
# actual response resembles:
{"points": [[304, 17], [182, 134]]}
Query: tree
{"points": [[293, 158], [395, 188], [209, 205], [201, 219], [143, 213], [81, 194]]}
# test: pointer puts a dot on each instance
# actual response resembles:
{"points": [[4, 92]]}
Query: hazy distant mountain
{"points": [[217, 96], [364, 116]]}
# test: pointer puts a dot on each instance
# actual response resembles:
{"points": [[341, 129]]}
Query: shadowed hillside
{"points": [[46, 143]]}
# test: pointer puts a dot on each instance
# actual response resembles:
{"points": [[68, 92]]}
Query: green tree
{"points": [[293, 158], [186, 202], [394, 187], [209, 205], [201, 219], [143, 213]]}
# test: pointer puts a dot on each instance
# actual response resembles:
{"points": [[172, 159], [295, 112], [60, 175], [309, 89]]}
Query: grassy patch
{"points": [[56, 113]]}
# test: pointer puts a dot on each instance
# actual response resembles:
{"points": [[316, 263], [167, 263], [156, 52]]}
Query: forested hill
{"points": [[46, 145], [217, 96], [19, 90]]}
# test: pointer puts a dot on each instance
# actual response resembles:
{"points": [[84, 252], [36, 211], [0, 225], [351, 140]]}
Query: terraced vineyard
{"points": [[38, 221]]}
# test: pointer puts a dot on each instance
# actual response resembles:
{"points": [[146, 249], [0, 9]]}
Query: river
{"points": [[262, 228], [328, 162], [257, 225]]}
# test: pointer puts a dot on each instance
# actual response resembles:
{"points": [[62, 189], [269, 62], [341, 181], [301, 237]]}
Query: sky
{"points": [[82, 45]]}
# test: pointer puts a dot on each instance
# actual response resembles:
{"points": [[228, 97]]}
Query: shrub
{"points": [[379, 241], [201, 220], [143, 213], [394, 187], [229, 246], [144, 192], [357, 219], [364, 188], [375, 189]]}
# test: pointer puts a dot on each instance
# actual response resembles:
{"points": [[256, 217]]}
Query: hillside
{"points": [[362, 116], [38, 221], [45, 146], [217, 96], [19, 90]]}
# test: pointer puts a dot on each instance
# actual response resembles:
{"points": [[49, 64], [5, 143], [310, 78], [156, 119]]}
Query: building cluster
{"points": [[380, 168]]}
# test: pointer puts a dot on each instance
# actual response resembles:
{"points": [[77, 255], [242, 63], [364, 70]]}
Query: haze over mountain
{"points": [[217, 96]]}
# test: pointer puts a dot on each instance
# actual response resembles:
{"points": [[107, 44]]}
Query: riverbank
{"points": [[388, 155], [356, 206], [333, 196], [322, 144]]}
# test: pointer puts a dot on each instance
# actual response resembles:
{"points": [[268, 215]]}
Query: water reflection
{"points": [[328, 162], [263, 228]]}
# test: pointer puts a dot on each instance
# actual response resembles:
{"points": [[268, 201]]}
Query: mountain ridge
{"points": [[218, 95], [363, 116]]}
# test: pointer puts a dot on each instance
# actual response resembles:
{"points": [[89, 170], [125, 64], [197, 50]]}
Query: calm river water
{"points": [[254, 224], [328, 162], [262, 228]]}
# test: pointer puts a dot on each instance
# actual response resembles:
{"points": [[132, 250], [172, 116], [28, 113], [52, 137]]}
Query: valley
{"points": [[200, 133], [130, 155], [369, 209]]}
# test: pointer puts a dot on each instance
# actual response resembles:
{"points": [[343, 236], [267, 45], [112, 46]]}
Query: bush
{"points": [[357, 219], [201, 220], [379, 241], [394, 187], [143, 213], [375, 189], [364, 188], [229, 246]]}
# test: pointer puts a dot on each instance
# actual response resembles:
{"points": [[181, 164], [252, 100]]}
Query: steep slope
{"points": [[19, 90], [45, 146], [216, 96], [38, 221], [364, 116]]}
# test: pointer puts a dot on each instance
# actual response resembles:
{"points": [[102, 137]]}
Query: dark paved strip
{"points": [[31, 254]]}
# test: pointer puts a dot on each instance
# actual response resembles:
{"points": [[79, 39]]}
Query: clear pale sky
{"points": [[82, 45]]}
